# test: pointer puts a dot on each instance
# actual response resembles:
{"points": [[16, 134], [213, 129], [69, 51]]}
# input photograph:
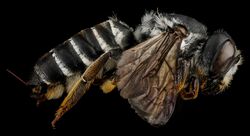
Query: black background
{"points": [[31, 29]]}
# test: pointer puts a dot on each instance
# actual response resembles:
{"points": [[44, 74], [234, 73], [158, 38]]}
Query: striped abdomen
{"points": [[78, 52]]}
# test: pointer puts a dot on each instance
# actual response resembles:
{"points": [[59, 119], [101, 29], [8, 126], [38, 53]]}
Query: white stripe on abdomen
{"points": [[67, 72], [118, 34], [104, 45], [41, 75], [82, 56]]}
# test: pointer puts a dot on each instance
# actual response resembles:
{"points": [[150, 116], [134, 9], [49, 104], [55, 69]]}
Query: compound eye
{"points": [[224, 57]]}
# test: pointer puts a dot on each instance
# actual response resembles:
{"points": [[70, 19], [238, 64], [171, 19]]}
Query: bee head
{"points": [[219, 61]]}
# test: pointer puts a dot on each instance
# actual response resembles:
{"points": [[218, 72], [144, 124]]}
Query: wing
{"points": [[145, 76]]}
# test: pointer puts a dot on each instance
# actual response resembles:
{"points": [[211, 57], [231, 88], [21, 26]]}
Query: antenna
{"points": [[17, 77]]}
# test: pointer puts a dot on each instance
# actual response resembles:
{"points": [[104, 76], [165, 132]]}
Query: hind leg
{"points": [[81, 85]]}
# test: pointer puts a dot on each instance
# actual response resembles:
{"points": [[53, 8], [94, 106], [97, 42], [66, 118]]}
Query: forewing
{"points": [[145, 76]]}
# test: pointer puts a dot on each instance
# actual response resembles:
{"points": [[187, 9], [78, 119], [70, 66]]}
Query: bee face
{"points": [[219, 61]]}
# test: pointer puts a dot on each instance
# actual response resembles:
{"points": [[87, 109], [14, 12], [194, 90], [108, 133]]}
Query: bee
{"points": [[165, 57]]}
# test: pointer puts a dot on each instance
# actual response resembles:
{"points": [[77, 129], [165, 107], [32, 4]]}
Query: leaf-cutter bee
{"points": [[165, 57]]}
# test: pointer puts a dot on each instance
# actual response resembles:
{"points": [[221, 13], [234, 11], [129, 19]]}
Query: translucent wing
{"points": [[145, 76]]}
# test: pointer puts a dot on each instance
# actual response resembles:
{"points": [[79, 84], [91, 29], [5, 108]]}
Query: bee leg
{"points": [[81, 85], [107, 80], [182, 70], [108, 86], [193, 91], [39, 99], [38, 95], [54, 91]]}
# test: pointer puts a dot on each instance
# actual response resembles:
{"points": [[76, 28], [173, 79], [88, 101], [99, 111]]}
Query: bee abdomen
{"points": [[79, 51]]}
